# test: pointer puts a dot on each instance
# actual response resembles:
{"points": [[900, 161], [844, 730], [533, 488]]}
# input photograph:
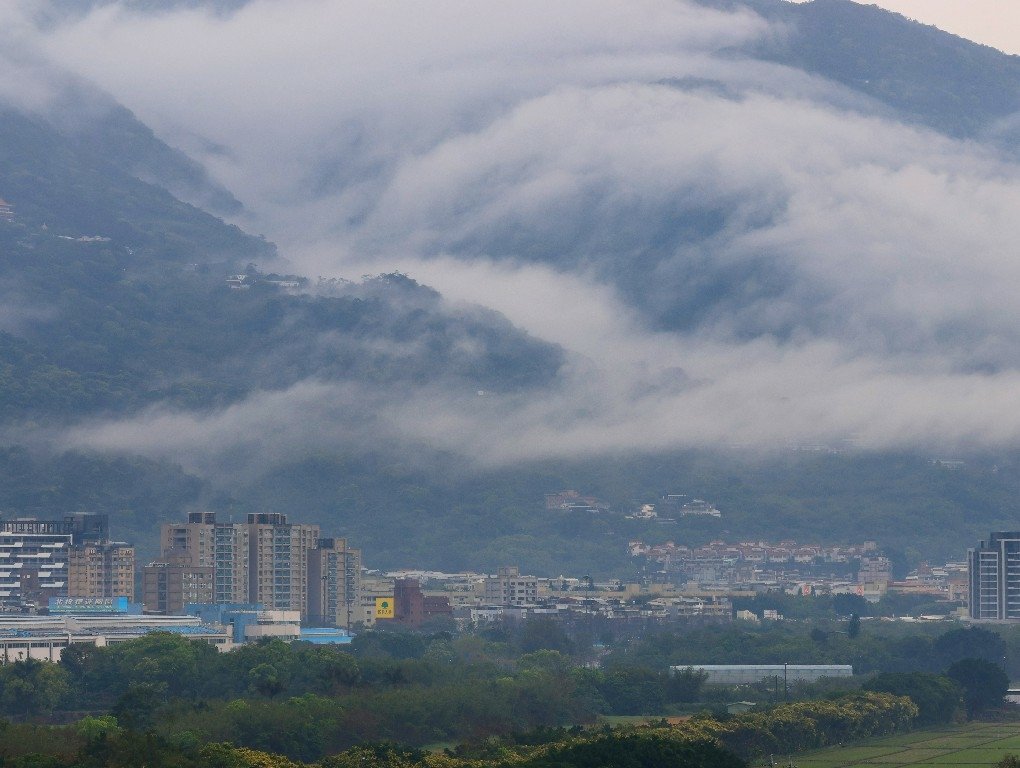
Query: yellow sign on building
{"points": [[384, 607]]}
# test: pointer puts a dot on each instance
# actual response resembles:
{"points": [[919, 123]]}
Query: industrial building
{"points": [[745, 674], [44, 638]]}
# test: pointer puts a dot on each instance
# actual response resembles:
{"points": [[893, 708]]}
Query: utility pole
{"points": [[324, 601], [349, 584]]}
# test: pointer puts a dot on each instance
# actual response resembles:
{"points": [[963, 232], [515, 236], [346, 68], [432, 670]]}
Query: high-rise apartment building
{"points": [[173, 581], [217, 545], [994, 577], [35, 554], [264, 560], [334, 584], [278, 555], [101, 569]]}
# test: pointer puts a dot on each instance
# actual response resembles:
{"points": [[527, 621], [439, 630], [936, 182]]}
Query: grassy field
{"points": [[618, 720], [973, 744]]}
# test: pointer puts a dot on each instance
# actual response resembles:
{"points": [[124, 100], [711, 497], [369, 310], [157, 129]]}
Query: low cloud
{"points": [[744, 400], [733, 253]]}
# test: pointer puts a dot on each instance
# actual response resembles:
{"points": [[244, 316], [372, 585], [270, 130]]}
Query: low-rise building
{"points": [[745, 674], [509, 587], [249, 622], [412, 607], [44, 638]]}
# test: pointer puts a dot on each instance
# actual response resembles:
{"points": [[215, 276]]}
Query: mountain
{"points": [[77, 182], [119, 299], [132, 316], [929, 76]]}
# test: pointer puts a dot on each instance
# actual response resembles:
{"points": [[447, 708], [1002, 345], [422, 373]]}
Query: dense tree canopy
{"points": [[984, 684]]}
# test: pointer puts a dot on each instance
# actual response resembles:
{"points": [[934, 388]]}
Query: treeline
{"points": [[101, 743], [501, 694], [305, 701], [799, 726], [702, 742], [879, 646]]}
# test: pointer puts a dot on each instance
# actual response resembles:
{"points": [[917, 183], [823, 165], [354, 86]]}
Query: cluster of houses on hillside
{"points": [[668, 508]]}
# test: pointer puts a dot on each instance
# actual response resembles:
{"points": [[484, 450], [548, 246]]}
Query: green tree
{"points": [[984, 684], [634, 690], [543, 633], [655, 749], [32, 687], [970, 643], [846, 604], [266, 680], [937, 697], [136, 708], [93, 729], [684, 685]]}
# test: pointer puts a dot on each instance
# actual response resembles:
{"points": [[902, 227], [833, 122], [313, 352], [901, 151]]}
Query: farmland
{"points": [[971, 744]]}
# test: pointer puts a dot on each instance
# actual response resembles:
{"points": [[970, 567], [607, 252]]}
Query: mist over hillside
{"points": [[602, 236]]}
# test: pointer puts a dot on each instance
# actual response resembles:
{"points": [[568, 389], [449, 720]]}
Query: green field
{"points": [[973, 744]]}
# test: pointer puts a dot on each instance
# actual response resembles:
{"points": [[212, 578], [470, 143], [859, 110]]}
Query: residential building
{"points": [[574, 501], [101, 569], [373, 587], [334, 584], [269, 561], [875, 572], [172, 582], [34, 556], [994, 577], [278, 555], [509, 587], [223, 546]]}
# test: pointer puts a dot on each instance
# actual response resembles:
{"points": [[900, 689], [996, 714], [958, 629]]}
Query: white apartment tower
{"points": [[994, 576]]}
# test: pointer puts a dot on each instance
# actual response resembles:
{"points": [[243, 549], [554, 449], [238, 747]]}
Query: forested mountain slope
{"points": [[117, 317], [938, 79]]}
